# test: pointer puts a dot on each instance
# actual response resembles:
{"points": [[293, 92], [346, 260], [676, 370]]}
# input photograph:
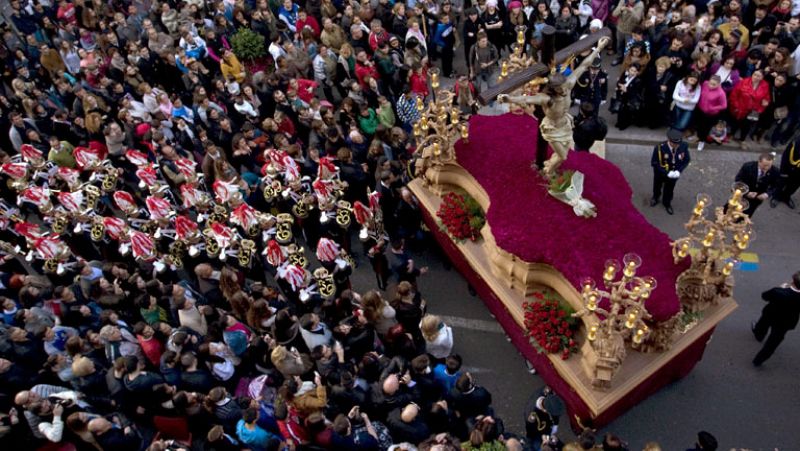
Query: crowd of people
{"points": [[179, 226], [718, 70]]}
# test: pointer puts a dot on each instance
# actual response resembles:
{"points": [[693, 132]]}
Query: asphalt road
{"points": [[743, 406]]}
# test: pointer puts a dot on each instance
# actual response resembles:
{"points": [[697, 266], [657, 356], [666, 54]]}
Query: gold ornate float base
{"points": [[585, 382]]}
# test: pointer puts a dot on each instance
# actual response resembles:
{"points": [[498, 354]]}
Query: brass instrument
{"points": [[283, 232], [300, 209], [176, 252], [212, 247], [110, 180], [98, 229], [253, 230], [51, 265], [271, 190], [246, 248], [92, 196], [218, 214], [325, 283], [343, 216], [297, 256], [59, 225]]}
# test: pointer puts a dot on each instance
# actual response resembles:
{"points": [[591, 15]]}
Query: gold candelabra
{"points": [[624, 318], [715, 246], [439, 127]]}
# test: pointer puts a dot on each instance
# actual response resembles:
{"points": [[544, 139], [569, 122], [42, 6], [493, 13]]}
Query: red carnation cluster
{"points": [[549, 326], [461, 216]]}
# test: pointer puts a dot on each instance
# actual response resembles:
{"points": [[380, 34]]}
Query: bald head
{"points": [[391, 384], [409, 413]]}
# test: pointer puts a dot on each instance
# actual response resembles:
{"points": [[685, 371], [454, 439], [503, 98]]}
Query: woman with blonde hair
{"points": [[438, 336]]}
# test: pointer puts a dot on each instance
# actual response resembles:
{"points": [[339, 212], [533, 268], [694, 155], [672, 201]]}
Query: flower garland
{"points": [[549, 324], [461, 216]]}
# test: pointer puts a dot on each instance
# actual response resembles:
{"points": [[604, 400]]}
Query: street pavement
{"points": [[743, 406]]}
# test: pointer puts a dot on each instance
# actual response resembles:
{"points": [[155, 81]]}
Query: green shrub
{"points": [[248, 45]]}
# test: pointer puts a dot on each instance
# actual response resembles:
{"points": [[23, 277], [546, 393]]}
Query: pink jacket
{"points": [[712, 101]]}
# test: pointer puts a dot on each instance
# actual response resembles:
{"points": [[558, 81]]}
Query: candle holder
{"points": [[714, 246], [519, 58], [439, 127], [623, 317]]}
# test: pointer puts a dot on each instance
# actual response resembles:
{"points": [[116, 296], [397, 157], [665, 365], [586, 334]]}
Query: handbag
{"points": [[781, 112], [613, 107]]}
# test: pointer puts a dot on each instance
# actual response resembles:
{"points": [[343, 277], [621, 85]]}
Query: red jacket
{"points": [[419, 83], [309, 22], [745, 98], [362, 71]]}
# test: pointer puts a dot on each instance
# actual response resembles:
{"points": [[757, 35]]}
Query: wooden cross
{"points": [[549, 56]]}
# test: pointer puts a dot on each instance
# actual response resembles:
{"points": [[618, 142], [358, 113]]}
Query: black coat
{"points": [[470, 405], [783, 308], [593, 89], [664, 159], [588, 130], [748, 174]]}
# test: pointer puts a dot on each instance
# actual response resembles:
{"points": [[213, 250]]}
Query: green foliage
{"points": [[248, 45], [560, 182]]}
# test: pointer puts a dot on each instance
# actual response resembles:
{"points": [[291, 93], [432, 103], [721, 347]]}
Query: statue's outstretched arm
{"points": [[537, 99], [573, 77]]}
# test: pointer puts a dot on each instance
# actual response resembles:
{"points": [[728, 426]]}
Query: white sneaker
{"points": [[701, 145]]}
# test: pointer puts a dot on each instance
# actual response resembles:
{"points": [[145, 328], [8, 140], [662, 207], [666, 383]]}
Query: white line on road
{"points": [[472, 324]]}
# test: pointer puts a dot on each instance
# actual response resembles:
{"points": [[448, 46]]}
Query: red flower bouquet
{"points": [[461, 216], [550, 326]]}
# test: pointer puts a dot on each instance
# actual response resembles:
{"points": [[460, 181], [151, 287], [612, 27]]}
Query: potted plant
{"points": [[250, 47]]}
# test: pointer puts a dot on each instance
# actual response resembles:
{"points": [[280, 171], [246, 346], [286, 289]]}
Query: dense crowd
{"points": [[179, 226]]}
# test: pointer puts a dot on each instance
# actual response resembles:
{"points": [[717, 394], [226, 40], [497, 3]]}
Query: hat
{"points": [[596, 23], [141, 129], [553, 405], [674, 136], [515, 4], [597, 62]]}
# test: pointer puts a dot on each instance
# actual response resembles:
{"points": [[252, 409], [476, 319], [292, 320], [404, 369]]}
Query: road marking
{"points": [[476, 370], [472, 324]]}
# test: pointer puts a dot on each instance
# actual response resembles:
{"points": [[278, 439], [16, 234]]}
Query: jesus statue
{"points": [[556, 127]]}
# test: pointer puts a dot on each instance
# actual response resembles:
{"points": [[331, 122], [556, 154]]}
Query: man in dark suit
{"points": [[761, 178], [790, 176], [778, 317], [592, 86], [670, 158]]}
